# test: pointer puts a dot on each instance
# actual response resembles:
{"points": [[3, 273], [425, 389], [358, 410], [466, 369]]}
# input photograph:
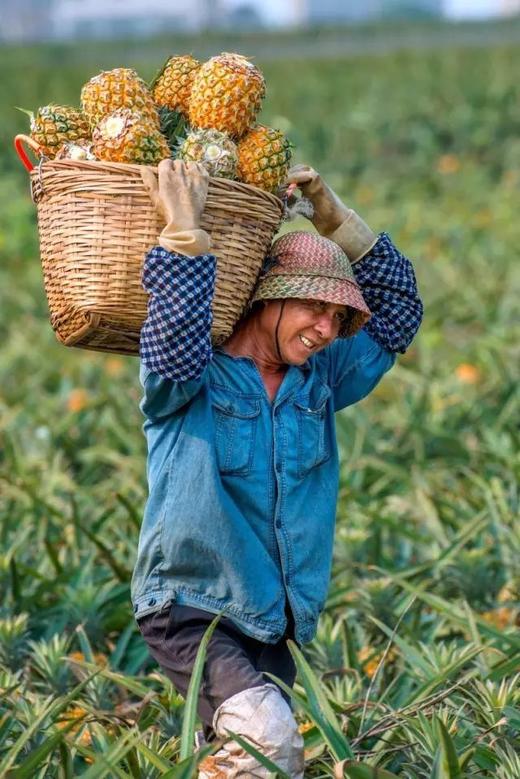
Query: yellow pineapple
{"points": [[126, 136], [172, 87], [226, 94], [264, 155], [54, 125], [213, 149], [118, 88]]}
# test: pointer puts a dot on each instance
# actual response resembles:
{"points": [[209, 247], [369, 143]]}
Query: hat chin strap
{"points": [[277, 343]]}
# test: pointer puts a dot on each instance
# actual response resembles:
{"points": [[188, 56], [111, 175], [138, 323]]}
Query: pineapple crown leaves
{"points": [[173, 126], [30, 114]]}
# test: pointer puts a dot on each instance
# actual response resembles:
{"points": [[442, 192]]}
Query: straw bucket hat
{"points": [[306, 265]]}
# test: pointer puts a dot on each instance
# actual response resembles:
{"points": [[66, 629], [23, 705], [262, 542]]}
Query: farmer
{"points": [[242, 453]]}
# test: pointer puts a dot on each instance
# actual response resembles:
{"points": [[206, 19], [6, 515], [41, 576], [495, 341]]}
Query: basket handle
{"points": [[19, 142]]}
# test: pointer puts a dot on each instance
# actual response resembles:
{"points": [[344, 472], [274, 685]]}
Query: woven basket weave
{"points": [[96, 223]]}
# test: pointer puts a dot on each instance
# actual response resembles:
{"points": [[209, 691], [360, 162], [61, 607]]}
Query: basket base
{"points": [[90, 330]]}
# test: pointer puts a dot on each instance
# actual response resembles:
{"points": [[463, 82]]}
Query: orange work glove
{"points": [[332, 218], [180, 196]]}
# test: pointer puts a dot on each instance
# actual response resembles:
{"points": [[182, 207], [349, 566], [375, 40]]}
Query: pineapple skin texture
{"points": [[114, 89], [226, 95], [173, 86], [212, 149], [135, 139], [264, 155], [54, 125]]}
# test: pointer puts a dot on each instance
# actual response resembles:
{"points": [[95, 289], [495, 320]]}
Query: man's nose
{"points": [[324, 326]]}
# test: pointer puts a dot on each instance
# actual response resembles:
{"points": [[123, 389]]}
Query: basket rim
{"points": [[135, 171]]}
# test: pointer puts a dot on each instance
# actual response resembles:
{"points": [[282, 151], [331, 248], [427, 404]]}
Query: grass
{"points": [[414, 670]]}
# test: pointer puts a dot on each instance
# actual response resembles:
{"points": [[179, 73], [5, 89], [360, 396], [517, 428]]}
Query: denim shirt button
{"points": [[152, 602]]}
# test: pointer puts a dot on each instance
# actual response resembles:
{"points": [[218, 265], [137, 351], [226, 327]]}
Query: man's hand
{"points": [[332, 218], [329, 211], [180, 196]]}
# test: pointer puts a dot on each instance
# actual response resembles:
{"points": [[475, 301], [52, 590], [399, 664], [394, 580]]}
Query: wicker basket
{"points": [[96, 223]]}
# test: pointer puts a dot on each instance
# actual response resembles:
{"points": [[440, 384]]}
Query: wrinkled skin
{"points": [[305, 327]]}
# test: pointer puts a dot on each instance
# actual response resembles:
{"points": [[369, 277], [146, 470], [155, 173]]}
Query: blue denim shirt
{"points": [[242, 491]]}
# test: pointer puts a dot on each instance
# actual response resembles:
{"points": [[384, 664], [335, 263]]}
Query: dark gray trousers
{"points": [[234, 661]]}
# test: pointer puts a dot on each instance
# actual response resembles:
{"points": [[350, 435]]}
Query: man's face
{"points": [[306, 326]]}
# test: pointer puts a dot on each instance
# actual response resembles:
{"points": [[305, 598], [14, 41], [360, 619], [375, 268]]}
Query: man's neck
{"points": [[249, 340]]}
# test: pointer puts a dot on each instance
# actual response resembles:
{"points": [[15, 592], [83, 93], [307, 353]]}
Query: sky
{"points": [[278, 12]]}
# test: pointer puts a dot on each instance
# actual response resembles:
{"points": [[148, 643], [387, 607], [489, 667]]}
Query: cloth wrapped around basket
{"points": [[96, 223]]}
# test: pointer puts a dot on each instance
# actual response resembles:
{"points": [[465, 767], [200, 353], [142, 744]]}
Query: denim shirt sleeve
{"points": [[163, 397], [355, 367]]}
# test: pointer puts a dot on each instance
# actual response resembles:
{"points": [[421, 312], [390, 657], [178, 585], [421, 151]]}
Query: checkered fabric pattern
{"points": [[176, 336], [389, 287]]}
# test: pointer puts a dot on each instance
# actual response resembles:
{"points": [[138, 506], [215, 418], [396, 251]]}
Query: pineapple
{"points": [[127, 136], [75, 151], [226, 95], [54, 125], [264, 155], [172, 87], [113, 89], [213, 149]]}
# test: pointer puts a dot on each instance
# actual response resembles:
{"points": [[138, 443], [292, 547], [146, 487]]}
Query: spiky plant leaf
{"points": [[51, 709], [446, 763], [107, 762], [320, 708], [353, 770], [38, 756], [186, 768], [190, 712], [262, 759]]}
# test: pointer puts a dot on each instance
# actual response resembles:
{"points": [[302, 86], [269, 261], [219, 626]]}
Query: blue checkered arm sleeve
{"points": [[176, 336], [387, 280]]}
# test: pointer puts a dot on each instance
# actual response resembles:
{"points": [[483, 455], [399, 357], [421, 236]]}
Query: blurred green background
{"points": [[425, 143]]}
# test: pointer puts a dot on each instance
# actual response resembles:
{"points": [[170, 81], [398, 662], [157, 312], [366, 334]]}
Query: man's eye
{"points": [[341, 316]]}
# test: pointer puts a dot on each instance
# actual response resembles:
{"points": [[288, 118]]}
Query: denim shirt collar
{"points": [[292, 380]]}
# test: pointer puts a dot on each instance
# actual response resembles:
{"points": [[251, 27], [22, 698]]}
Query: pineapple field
{"points": [[416, 666]]}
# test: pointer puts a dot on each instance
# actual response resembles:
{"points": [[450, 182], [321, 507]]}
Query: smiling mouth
{"points": [[308, 344]]}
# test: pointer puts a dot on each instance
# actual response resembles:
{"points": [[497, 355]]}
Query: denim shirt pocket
{"points": [[313, 446], [236, 419]]}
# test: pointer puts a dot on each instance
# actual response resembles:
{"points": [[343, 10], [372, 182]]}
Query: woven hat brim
{"points": [[329, 290]]}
